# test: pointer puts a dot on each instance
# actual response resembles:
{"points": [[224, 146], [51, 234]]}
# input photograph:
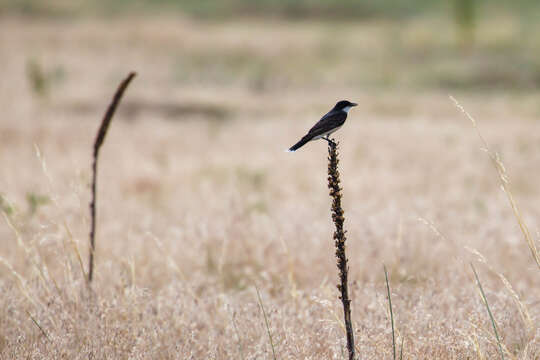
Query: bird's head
{"points": [[344, 105]]}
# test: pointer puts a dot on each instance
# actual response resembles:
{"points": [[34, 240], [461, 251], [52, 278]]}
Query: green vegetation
{"points": [[405, 54], [41, 80], [5, 206], [35, 201], [465, 13], [280, 8]]}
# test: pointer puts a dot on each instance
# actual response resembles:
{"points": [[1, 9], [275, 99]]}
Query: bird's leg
{"points": [[330, 141]]}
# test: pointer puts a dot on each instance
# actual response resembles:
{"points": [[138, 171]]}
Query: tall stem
{"points": [[339, 240]]}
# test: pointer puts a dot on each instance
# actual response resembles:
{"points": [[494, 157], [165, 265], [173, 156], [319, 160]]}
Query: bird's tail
{"points": [[301, 143]]}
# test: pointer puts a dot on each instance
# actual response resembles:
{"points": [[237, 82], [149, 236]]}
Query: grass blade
{"points": [[401, 349], [391, 314], [505, 184], [266, 323], [39, 326], [489, 311]]}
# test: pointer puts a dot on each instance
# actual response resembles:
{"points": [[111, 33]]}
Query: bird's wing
{"points": [[328, 122]]}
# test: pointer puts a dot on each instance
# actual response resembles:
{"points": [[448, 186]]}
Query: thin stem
{"points": [[489, 311], [39, 326], [240, 348], [266, 323], [391, 312], [505, 184], [401, 349]]}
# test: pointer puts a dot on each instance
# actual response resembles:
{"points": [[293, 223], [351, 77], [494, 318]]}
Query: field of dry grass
{"points": [[198, 202]]}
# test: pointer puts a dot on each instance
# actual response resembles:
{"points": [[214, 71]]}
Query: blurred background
{"points": [[267, 45], [218, 77]]}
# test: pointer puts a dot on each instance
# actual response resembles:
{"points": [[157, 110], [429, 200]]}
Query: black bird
{"points": [[329, 123]]}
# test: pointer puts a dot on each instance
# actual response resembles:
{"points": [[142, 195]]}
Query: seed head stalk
{"points": [[339, 241]]}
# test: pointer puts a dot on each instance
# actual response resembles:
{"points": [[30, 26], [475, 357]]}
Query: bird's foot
{"points": [[330, 141]]}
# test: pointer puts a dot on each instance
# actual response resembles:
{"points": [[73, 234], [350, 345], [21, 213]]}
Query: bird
{"points": [[330, 122]]}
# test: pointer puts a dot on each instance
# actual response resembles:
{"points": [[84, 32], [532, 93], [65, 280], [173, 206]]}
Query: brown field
{"points": [[198, 202]]}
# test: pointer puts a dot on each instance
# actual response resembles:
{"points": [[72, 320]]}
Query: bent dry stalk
{"points": [[339, 239], [100, 137]]}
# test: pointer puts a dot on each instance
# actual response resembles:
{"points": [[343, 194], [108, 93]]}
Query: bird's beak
{"points": [[354, 104]]}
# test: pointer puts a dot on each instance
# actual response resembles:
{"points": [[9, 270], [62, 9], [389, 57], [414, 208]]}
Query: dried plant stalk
{"points": [[505, 184], [339, 238], [97, 145]]}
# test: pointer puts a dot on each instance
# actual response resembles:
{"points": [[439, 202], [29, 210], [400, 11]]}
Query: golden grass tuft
{"points": [[505, 185]]}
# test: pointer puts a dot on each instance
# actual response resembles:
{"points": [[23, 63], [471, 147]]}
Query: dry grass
{"points": [[196, 209]]}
